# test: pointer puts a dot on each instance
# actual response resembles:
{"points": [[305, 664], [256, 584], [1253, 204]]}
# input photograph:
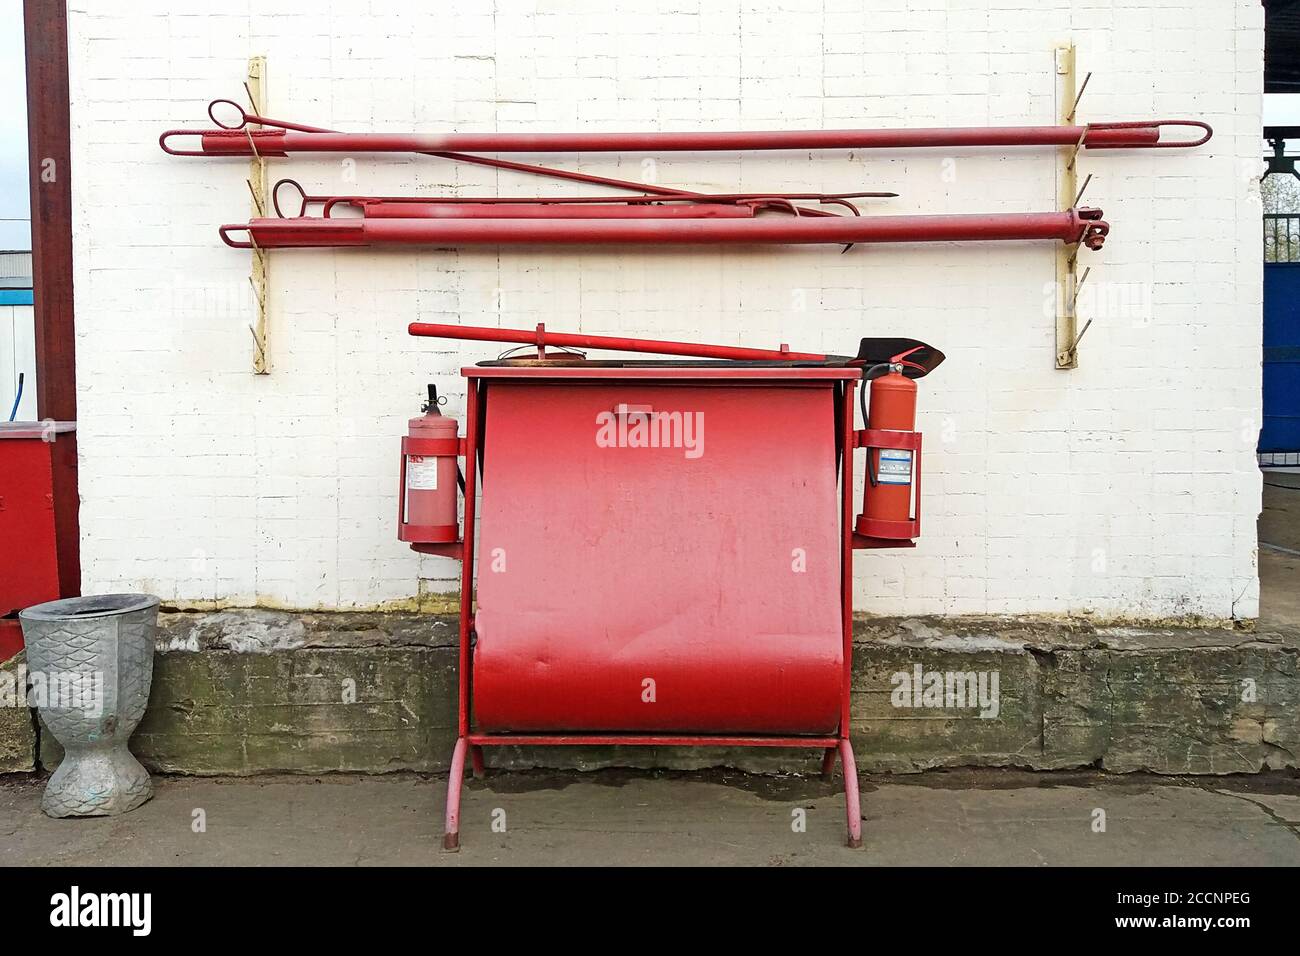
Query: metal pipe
{"points": [[1072, 226], [560, 210], [246, 119], [774, 199], [283, 142], [541, 338]]}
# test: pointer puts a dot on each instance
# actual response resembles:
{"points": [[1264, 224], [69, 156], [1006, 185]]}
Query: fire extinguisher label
{"points": [[895, 467], [421, 473]]}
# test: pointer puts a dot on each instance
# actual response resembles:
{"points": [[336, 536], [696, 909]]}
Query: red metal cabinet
{"points": [[691, 592], [688, 588], [29, 572]]}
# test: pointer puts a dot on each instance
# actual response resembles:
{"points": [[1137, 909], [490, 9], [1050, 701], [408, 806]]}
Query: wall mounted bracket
{"points": [[255, 86], [1068, 282]]}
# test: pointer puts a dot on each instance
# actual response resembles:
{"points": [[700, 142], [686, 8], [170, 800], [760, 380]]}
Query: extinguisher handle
{"points": [[874, 372], [435, 400]]}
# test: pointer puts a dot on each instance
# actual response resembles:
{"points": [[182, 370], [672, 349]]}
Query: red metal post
{"points": [[49, 151], [451, 829], [828, 761], [451, 836], [473, 396], [852, 803], [852, 799]]}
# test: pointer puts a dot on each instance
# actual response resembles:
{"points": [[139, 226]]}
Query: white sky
{"points": [[13, 130], [1282, 109]]}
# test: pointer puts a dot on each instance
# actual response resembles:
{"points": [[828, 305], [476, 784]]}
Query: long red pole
{"points": [[609, 210], [541, 337], [251, 137], [1074, 225], [281, 142]]}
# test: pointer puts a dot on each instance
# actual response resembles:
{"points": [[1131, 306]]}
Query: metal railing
{"points": [[1281, 237]]}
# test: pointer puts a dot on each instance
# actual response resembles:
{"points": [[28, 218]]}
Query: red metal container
{"points": [[29, 572], [664, 557], [658, 531]]}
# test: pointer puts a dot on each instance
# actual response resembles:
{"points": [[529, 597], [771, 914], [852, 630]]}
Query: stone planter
{"points": [[90, 662]]}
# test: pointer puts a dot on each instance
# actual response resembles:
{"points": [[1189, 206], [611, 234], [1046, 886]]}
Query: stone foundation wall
{"points": [[253, 691]]}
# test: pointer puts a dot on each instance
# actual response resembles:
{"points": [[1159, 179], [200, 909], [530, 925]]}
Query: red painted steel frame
{"points": [[471, 741]]}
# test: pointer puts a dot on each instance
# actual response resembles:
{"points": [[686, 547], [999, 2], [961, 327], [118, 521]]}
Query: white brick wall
{"points": [[1127, 487]]}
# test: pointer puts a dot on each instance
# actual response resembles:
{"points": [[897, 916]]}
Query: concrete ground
{"points": [[984, 817]]}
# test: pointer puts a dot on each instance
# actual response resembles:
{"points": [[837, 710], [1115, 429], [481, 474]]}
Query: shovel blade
{"points": [[877, 351]]}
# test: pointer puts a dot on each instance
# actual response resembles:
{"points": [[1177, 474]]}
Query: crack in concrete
{"points": [[1292, 828]]}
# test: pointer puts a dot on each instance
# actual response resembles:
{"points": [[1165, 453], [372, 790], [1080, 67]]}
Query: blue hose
{"points": [[17, 398]]}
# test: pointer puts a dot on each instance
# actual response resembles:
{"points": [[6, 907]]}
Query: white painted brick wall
{"points": [[1127, 487]]}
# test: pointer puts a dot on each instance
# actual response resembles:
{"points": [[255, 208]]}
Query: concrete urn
{"points": [[90, 662]]}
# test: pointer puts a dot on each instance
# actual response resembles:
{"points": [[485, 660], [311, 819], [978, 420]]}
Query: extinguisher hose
{"points": [[874, 372]]}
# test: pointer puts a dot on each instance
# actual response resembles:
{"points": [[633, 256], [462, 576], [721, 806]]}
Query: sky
{"points": [[1282, 109], [15, 228]]}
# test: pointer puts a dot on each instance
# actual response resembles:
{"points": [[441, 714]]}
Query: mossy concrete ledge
{"points": [[253, 691], [17, 732]]}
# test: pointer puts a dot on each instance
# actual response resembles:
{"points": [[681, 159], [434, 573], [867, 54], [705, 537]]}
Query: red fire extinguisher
{"points": [[429, 476], [891, 505]]}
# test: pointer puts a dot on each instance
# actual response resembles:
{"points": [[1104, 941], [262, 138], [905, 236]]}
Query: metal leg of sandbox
{"points": [[852, 801], [828, 763], [451, 834]]}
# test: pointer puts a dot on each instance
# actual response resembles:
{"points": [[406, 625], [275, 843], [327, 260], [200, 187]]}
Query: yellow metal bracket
{"points": [[255, 87], [1069, 193]]}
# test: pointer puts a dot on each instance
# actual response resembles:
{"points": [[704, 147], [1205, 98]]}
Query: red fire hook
{"points": [[280, 138], [1072, 226]]}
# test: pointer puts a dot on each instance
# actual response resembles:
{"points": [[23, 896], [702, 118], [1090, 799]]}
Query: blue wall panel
{"points": [[1281, 430]]}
